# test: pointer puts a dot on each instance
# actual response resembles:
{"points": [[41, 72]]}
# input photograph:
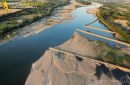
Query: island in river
{"points": [[80, 61], [116, 16], [18, 18], [29, 49], [76, 63], [59, 15]]}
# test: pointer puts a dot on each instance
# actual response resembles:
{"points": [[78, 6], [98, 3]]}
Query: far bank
{"points": [[108, 14]]}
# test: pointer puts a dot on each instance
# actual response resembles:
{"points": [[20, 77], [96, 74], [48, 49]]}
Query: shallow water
{"points": [[17, 56]]}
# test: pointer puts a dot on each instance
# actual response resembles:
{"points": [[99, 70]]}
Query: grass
{"points": [[84, 2], [110, 12], [26, 16], [112, 55]]}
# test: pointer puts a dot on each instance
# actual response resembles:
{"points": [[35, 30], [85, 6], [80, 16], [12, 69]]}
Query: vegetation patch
{"points": [[110, 12], [112, 55], [84, 2], [26, 16]]}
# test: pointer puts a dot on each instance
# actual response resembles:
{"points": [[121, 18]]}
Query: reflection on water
{"points": [[17, 56]]}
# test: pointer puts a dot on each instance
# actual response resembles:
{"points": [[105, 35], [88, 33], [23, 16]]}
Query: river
{"points": [[17, 56]]}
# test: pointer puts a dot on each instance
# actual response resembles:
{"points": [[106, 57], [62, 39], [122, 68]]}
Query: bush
{"points": [[42, 9]]}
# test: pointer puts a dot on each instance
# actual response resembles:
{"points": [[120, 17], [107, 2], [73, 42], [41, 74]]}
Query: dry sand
{"points": [[79, 45], [124, 23], [2, 11], [62, 14], [66, 68], [94, 10]]}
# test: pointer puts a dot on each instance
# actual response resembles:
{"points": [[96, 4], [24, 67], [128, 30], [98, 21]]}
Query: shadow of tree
{"points": [[102, 69], [121, 76]]}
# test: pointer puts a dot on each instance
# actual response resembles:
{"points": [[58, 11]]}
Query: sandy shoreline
{"points": [[3, 12], [94, 10], [72, 63], [59, 15]]}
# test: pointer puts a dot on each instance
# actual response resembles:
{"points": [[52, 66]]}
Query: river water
{"points": [[17, 56]]}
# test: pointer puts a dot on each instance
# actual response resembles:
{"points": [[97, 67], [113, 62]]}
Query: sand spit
{"points": [[94, 10], [68, 68], [61, 15], [79, 45]]}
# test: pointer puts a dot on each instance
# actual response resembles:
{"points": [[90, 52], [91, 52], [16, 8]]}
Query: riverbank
{"points": [[3, 12], [108, 19], [74, 63], [59, 15], [119, 34], [94, 10], [24, 17], [30, 49]]}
